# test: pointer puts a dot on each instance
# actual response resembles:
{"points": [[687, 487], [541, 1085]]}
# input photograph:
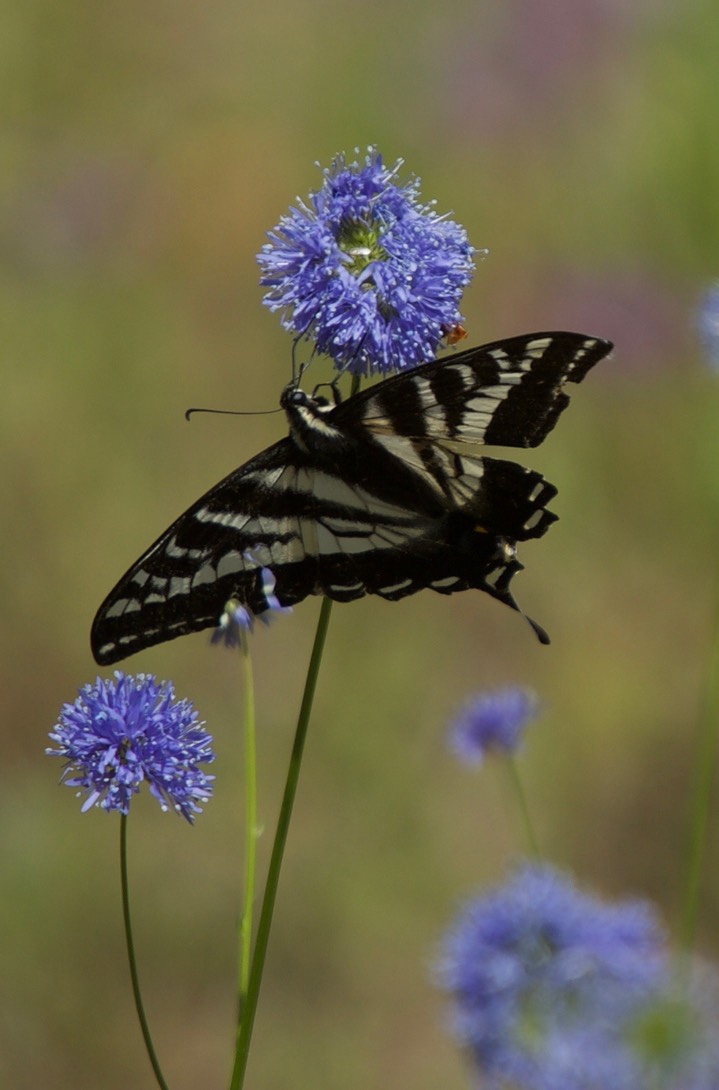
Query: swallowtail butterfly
{"points": [[385, 493]]}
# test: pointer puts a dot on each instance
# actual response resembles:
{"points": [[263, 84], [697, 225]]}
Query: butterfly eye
{"points": [[296, 397]]}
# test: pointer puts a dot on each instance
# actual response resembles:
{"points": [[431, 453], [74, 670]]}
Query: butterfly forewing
{"points": [[381, 494], [508, 393]]}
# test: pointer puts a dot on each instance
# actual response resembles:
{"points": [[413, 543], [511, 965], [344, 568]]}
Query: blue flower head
{"points": [[708, 324], [492, 721], [237, 618], [123, 731], [371, 274], [546, 979]]}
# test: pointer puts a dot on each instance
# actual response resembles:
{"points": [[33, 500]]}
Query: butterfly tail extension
{"points": [[478, 547], [497, 585]]}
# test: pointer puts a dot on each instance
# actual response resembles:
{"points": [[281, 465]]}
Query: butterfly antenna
{"points": [[232, 412], [296, 371]]}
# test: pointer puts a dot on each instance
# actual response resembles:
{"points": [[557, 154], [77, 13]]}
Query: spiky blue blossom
{"points": [[708, 324], [123, 732], [546, 981], [237, 618], [492, 721], [374, 276]]}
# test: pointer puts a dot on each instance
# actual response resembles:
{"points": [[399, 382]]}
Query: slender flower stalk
{"points": [[233, 630], [525, 813], [278, 847], [494, 723], [236, 623], [707, 750], [251, 832], [132, 960]]}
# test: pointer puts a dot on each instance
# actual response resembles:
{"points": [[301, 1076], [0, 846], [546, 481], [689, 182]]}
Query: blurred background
{"points": [[146, 149]]}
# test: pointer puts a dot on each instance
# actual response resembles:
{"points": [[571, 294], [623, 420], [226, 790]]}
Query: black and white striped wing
{"points": [[276, 512], [321, 535], [386, 493], [176, 586], [509, 393]]}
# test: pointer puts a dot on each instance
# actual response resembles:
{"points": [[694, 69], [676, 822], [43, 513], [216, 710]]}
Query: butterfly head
{"points": [[309, 418], [294, 397]]}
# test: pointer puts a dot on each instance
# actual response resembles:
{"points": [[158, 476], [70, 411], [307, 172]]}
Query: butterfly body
{"points": [[385, 493]]}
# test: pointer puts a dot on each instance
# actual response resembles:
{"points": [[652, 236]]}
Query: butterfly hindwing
{"points": [[382, 494]]}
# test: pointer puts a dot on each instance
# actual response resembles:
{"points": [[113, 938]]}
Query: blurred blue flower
{"points": [[237, 618], [366, 270], [547, 980], [708, 324], [123, 731], [492, 721]]}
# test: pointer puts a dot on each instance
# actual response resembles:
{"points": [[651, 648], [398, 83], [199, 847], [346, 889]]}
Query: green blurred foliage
{"points": [[146, 148]]}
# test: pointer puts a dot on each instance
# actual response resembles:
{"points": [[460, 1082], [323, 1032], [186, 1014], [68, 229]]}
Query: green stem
{"points": [[131, 957], [250, 775], [707, 746], [518, 789], [278, 847]]}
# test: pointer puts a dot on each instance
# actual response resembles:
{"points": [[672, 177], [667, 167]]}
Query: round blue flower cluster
{"points": [[121, 732], [371, 274], [554, 989]]}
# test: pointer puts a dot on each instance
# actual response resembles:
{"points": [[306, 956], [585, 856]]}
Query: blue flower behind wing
{"points": [[237, 618]]}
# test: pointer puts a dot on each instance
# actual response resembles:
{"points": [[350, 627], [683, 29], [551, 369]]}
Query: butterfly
{"points": [[387, 493]]}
